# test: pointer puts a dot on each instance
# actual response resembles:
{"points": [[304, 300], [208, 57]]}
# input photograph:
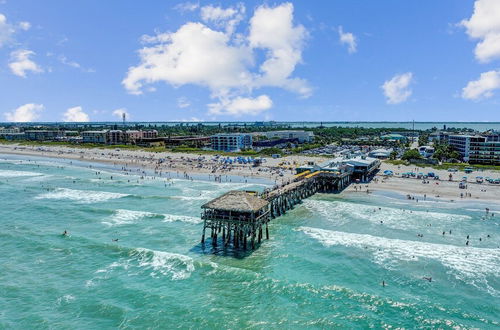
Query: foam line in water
{"points": [[177, 266], [470, 262], [122, 217], [14, 174], [81, 196], [340, 212], [181, 218]]}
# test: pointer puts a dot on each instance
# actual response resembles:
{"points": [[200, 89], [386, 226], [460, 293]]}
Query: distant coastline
{"points": [[418, 125]]}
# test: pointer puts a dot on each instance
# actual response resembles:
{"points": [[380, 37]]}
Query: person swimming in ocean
{"points": [[115, 239], [428, 278], [65, 233]]}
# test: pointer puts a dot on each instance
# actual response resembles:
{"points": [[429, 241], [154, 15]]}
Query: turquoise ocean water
{"points": [[322, 267]]}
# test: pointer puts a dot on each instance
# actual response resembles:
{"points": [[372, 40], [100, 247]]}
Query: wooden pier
{"points": [[239, 217]]}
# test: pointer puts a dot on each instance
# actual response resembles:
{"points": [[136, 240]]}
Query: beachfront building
{"points": [[14, 136], [133, 136], [426, 151], [231, 142], [300, 136], [394, 137], [114, 137], [361, 167], [439, 136], [492, 136], [477, 149], [462, 143], [38, 135], [380, 153], [94, 136], [10, 130], [487, 152], [190, 141]]}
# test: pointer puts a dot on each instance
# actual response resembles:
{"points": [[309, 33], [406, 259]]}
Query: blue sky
{"points": [[346, 60]]}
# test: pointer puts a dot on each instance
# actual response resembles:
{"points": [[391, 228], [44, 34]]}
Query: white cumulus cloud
{"points": [[349, 39], [227, 18], [397, 89], [483, 87], [272, 30], [183, 102], [225, 62], [25, 26], [21, 63], [25, 113], [241, 106], [187, 6], [6, 30], [75, 114], [484, 24], [119, 113]]}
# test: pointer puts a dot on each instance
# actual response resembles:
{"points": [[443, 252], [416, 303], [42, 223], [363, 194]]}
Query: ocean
{"points": [[133, 257]]}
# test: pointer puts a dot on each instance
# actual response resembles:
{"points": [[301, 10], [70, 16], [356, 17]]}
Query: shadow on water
{"points": [[226, 251]]}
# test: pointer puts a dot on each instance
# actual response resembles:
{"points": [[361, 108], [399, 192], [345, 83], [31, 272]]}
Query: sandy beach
{"points": [[279, 171]]}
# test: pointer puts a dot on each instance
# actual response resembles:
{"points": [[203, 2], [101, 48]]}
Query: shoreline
{"points": [[191, 166]]}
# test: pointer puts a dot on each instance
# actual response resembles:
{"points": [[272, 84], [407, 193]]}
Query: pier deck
{"points": [[239, 216]]}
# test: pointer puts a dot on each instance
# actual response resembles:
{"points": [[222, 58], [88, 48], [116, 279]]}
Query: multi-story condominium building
{"points": [[151, 134], [36, 135], [461, 143], [492, 136], [117, 136], [477, 149], [114, 137], [94, 136], [12, 130], [132, 136], [439, 136], [231, 142], [486, 152], [301, 136]]}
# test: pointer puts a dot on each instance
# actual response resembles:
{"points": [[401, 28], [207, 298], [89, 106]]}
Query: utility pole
{"points": [[124, 115], [413, 133]]}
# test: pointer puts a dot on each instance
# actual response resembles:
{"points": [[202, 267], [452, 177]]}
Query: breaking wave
{"points": [[14, 174], [464, 262], [81, 196], [343, 212]]}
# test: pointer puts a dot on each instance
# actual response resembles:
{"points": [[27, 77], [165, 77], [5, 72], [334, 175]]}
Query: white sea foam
{"points": [[181, 218], [123, 217], [13, 174], [81, 196], [65, 299], [466, 263], [176, 266], [343, 212]]}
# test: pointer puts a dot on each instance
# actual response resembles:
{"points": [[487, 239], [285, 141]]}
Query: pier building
{"points": [[240, 216]]}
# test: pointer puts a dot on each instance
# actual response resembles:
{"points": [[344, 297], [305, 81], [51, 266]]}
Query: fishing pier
{"points": [[241, 217]]}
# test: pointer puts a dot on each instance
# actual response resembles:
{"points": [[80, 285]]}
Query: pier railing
{"points": [[249, 223]]}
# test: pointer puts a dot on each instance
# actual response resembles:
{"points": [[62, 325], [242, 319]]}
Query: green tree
{"points": [[411, 154], [423, 139]]}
